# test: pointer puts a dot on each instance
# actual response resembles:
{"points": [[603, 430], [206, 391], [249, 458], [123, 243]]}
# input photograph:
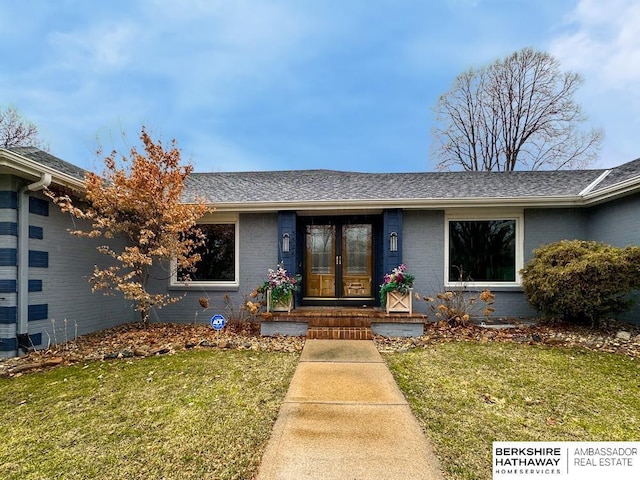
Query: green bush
{"points": [[581, 281]]}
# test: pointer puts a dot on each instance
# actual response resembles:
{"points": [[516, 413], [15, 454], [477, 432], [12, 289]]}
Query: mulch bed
{"points": [[133, 341], [610, 336]]}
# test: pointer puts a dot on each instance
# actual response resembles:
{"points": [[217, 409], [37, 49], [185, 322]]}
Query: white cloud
{"points": [[99, 48], [111, 67], [604, 42]]}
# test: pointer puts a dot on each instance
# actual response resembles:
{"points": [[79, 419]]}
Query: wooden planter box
{"points": [[400, 302], [281, 306]]}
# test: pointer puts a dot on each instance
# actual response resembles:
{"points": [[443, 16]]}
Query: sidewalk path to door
{"points": [[344, 417]]}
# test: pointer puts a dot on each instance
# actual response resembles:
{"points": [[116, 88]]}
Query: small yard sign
{"points": [[218, 322]]}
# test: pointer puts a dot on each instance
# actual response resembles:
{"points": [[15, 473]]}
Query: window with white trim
{"points": [[484, 251], [218, 265]]}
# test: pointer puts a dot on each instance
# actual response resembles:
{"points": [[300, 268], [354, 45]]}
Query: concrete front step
{"points": [[339, 333]]}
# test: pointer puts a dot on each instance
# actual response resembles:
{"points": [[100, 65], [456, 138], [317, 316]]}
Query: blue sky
{"points": [[275, 85]]}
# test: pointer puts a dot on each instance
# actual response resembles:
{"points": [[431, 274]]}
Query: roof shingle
{"points": [[306, 186], [50, 161], [329, 185]]}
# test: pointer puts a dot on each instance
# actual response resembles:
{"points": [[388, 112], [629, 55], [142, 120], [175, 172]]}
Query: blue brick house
{"points": [[340, 231]]}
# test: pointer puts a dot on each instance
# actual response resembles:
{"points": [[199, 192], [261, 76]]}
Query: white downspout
{"points": [[22, 327]]}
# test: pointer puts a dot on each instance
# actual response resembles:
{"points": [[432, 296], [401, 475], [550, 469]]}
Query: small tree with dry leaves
{"points": [[141, 204]]}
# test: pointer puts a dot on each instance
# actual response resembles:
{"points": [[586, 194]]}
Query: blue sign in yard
{"points": [[218, 322]]}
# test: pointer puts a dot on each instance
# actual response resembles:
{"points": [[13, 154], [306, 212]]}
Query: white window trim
{"points": [[518, 216], [212, 219]]}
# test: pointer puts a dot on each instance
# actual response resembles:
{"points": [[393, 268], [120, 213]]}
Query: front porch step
{"points": [[342, 323], [337, 321], [339, 333], [339, 326]]}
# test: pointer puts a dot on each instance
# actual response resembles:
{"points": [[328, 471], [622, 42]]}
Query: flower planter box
{"points": [[279, 306], [400, 302]]}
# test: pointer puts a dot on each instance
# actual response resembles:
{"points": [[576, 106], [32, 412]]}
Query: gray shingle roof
{"points": [[624, 172], [306, 186], [329, 185], [50, 161]]}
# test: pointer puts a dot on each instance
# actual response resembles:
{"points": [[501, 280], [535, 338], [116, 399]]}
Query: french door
{"points": [[338, 262]]}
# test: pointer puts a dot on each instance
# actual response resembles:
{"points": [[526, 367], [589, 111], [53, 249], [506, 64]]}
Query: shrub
{"points": [[581, 281], [458, 306]]}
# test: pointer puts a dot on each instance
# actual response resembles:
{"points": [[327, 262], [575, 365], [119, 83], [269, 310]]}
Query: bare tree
{"points": [[16, 131], [517, 113]]}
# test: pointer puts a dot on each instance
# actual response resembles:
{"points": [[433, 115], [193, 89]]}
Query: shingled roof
{"points": [[48, 160], [302, 188], [305, 186], [623, 173]]}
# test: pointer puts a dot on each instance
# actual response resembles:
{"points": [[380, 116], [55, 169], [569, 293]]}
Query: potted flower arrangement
{"points": [[395, 292], [279, 288]]}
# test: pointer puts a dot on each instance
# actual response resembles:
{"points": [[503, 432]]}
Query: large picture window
{"points": [[218, 254], [483, 252], [218, 265]]}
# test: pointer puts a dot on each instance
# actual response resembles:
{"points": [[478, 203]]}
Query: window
{"points": [[484, 252], [218, 265], [320, 246]]}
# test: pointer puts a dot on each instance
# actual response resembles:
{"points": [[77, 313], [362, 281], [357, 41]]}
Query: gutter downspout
{"points": [[22, 327]]}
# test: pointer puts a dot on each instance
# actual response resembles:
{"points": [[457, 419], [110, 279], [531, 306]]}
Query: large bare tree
{"points": [[17, 131], [516, 113]]}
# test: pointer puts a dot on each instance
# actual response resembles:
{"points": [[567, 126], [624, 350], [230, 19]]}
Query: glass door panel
{"points": [[320, 255], [356, 260]]}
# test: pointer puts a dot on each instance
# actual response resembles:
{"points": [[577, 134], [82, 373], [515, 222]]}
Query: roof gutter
{"points": [[16, 163], [22, 327], [626, 187], [407, 204]]}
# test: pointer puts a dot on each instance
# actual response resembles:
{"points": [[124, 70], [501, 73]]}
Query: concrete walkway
{"points": [[345, 418]]}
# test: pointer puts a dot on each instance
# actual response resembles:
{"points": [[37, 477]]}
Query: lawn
{"points": [[193, 415], [467, 395], [209, 414]]}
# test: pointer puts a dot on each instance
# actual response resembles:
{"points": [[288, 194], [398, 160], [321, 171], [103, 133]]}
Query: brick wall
{"points": [[616, 222], [549, 225], [65, 289], [423, 252], [258, 237], [60, 302]]}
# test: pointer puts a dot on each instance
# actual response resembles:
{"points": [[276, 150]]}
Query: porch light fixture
{"points": [[393, 242], [285, 243]]}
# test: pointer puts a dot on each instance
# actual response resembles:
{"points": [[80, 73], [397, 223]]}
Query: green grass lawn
{"points": [[209, 414], [193, 415], [467, 395]]}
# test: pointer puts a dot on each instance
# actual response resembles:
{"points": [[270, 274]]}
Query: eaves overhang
{"points": [[406, 204], [15, 164], [620, 189]]}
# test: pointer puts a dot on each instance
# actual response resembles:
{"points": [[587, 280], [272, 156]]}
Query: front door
{"points": [[339, 262]]}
